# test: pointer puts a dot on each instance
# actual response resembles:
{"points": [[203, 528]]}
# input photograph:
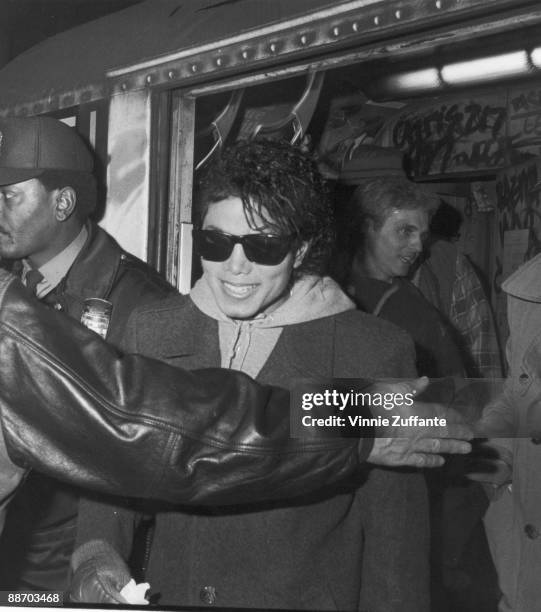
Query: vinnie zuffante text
{"points": [[333, 401]]}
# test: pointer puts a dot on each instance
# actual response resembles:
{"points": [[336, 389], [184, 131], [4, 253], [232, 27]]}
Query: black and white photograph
{"points": [[270, 305]]}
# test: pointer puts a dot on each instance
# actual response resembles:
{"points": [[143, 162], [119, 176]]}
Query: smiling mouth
{"points": [[238, 291], [408, 260]]}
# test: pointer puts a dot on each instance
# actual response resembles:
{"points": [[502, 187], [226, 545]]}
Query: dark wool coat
{"points": [[343, 549]]}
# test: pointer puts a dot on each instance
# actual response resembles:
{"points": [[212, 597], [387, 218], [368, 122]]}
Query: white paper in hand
{"points": [[135, 593]]}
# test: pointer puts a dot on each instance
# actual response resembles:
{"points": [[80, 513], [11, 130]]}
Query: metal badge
{"points": [[97, 315]]}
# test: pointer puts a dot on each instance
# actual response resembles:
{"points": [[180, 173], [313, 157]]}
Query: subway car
{"points": [[158, 88]]}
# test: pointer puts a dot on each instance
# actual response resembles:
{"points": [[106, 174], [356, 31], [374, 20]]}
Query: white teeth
{"points": [[238, 290]]}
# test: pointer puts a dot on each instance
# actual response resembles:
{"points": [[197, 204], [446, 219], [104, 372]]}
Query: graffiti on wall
{"points": [[518, 202], [453, 137], [465, 135], [524, 120], [517, 199]]}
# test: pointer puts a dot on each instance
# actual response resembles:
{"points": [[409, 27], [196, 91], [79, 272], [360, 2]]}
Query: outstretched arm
{"points": [[76, 410]]}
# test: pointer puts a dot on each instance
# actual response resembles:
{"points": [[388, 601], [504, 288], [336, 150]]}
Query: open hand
{"points": [[417, 435]]}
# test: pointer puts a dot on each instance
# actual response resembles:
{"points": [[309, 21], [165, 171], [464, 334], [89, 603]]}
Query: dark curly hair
{"points": [[279, 183]]}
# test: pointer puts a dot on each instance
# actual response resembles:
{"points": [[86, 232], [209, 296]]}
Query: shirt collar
{"points": [[57, 268]]}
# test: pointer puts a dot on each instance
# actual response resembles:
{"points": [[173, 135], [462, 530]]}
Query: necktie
{"points": [[33, 279]]}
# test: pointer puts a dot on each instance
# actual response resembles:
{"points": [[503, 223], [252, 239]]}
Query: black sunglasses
{"points": [[262, 249]]}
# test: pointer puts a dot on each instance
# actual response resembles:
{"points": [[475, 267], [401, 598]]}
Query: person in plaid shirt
{"points": [[448, 280]]}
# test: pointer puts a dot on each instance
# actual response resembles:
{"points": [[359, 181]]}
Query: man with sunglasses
{"points": [[113, 424], [263, 306], [262, 249]]}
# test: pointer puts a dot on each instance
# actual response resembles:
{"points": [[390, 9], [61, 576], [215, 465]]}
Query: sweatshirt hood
{"points": [[311, 297], [246, 345]]}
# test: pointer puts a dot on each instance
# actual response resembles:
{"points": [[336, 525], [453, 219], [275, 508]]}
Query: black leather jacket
{"points": [[75, 409], [39, 534]]}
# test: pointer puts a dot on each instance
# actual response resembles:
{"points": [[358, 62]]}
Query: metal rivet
{"points": [[219, 61], [171, 74], [336, 31], [245, 54], [438, 4], [376, 20], [194, 68], [273, 47], [355, 26], [208, 595], [304, 40], [398, 14], [123, 86], [149, 79]]}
